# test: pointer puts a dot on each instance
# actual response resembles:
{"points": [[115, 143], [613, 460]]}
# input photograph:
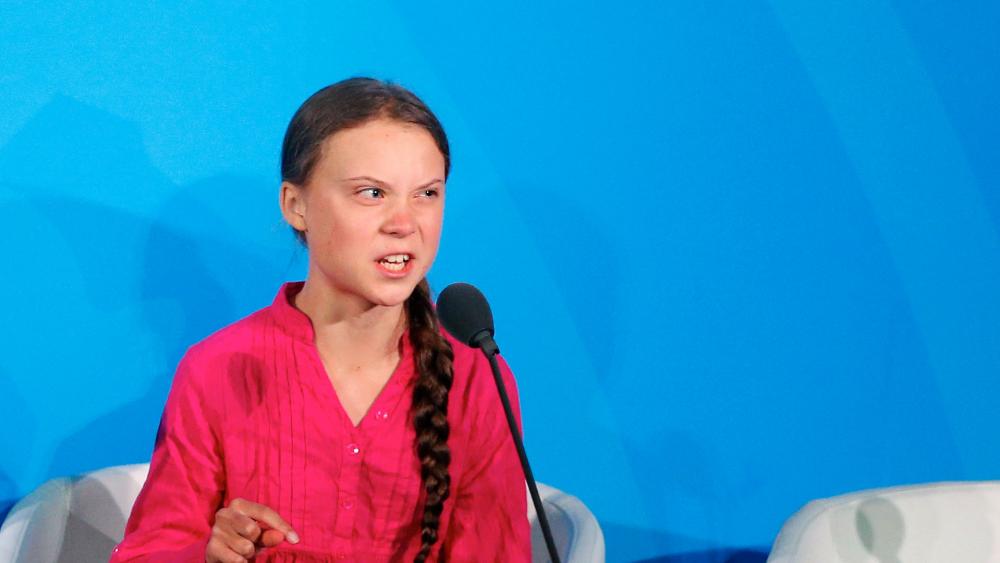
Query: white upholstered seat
{"points": [[81, 519], [937, 522]]}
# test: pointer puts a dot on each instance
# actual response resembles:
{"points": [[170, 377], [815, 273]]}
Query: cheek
{"points": [[432, 238], [339, 234], [432, 245], [433, 224], [328, 237]]}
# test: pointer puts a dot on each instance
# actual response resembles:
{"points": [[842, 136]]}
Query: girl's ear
{"points": [[293, 205]]}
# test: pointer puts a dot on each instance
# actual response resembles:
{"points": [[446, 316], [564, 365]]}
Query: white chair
{"points": [[935, 522], [576, 533], [81, 519], [72, 518]]}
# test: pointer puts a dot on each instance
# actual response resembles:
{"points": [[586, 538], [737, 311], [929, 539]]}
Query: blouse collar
{"points": [[293, 321], [299, 326]]}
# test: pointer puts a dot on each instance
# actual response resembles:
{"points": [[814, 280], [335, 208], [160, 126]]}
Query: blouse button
{"points": [[353, 449], [347, 504], [381, 415]]}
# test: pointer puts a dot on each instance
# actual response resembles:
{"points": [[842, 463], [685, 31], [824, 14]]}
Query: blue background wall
{"points": [[743, 255]]}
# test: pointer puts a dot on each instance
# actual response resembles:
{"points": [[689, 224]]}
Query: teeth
{"points": [[395, 262], [393, 266]]}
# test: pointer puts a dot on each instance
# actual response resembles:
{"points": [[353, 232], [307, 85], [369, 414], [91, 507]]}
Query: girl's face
{"points": [[371, 210]]}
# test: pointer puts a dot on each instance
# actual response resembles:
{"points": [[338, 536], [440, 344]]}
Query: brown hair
{"points": [[348, 104]]}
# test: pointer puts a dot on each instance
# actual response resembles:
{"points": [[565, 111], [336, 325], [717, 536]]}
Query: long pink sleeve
{"points": [[172, 516]]}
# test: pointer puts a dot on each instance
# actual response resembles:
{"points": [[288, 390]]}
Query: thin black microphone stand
{"points": [[489, 347]]}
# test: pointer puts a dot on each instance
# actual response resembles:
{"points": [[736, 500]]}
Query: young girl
{"points": [[340, 423]]}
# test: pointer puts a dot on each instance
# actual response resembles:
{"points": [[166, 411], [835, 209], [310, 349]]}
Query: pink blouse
{"points": [[252, 414]]}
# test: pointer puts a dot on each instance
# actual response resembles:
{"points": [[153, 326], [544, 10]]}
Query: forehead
{"points": [[381, 146]]}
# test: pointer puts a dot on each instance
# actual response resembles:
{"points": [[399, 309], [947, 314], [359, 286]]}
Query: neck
{"points": [[349, 327]]}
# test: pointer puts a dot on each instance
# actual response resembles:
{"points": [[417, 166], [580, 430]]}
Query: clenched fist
{"points": [[242, 529]]}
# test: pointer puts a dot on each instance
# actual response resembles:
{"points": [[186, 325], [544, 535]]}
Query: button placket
{"points": [[350, 478]]}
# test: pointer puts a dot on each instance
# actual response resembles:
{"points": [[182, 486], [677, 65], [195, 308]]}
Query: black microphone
{"points": [[465, 314]]}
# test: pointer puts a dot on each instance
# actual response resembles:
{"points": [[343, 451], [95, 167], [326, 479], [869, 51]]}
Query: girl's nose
{"points": [[400, 222]]}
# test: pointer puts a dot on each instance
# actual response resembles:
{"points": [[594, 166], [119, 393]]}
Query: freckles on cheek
{"points": [[324, 245], [334, 232]]}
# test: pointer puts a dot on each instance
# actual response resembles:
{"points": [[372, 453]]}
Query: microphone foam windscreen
{"points": [[464, 312]]}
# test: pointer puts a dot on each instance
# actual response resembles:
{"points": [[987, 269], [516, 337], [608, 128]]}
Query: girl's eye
{"points": [[372, 193], [429, 193]]}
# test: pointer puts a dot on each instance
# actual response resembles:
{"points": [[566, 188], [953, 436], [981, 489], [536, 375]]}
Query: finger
{"points": [[242, 547], [234, 543], [242, 525], [271, 518], [246, 527], [218, 552]]}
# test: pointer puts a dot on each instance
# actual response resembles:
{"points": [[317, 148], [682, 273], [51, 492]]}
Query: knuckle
{"points": [[213, 550], [219, 527], [273, 518]]}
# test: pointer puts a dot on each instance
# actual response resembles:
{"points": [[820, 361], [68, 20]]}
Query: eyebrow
{"points": [[381, 183]]}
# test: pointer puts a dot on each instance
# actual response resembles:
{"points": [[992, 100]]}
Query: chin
{"points": [[391, 298]]}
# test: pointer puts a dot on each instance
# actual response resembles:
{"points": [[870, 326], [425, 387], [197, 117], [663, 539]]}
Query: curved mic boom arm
{"points": [[489, 347]]}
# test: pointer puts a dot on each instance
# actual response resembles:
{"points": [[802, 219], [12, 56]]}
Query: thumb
{"points": [[271, 538]]}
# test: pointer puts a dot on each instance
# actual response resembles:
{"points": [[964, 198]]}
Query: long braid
{"points": [[433, 358]]}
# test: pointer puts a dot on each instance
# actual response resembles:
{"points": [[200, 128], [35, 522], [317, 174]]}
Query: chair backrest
{"points": [[81, 519], [952, 522], [77, 519], [577, 535]]}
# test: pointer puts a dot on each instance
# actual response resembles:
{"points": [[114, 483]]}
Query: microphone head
{"points": [[464, 313]]}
